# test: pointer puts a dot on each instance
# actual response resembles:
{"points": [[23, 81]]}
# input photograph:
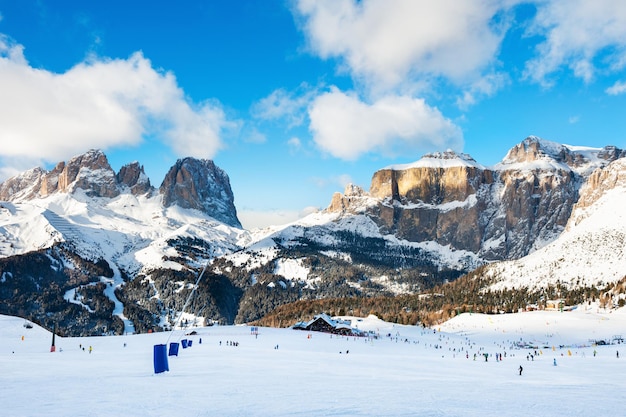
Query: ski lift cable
{"points": [[187, 302]]}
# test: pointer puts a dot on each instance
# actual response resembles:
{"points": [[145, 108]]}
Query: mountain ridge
{"points": [[90, 172], [424, 224], [530, 192]]}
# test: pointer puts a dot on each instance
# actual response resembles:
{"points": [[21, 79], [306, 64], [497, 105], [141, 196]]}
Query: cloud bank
{"points": [[385, 42], [345, 127], [392, 50], [99, 103], [579, 35]]}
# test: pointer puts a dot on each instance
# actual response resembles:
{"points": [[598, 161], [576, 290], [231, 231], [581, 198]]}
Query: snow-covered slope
{"points": [[405, 370], [132, 231], [342, 239], [592, 249], [132, 234]]}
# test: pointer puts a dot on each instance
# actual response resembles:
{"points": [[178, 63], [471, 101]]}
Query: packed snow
{"points": [[405, 370], [440, 160], [292, 269]]}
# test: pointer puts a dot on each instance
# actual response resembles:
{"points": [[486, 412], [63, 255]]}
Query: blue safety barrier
{"points": [[173, 349], [160, 359]]}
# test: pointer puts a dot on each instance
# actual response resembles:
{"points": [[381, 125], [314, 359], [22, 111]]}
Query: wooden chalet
{"points": [[324, 323]]}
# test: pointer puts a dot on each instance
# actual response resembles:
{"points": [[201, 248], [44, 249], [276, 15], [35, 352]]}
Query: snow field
{"points": [[414, 372]]}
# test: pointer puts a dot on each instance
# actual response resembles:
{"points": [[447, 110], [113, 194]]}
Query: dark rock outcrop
{"points": [[133, 176], [200, 184]]}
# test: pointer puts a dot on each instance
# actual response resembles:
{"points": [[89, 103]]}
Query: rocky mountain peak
{"points": [[353, 200], [23, 186], [200, 184], [497, 213], [535, 153], [90, 172], [611, 153], [533, 149], [190, 183], [133, 176]]}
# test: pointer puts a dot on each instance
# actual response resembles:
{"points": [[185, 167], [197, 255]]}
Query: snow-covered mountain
{"points": [[119, 248], [121, 218], [498, 213], [591, 252], [422, 223], [82, 213]]}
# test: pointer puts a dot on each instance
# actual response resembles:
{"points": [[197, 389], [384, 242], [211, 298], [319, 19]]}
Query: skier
{"points": [[520, 369], [554, 363]]}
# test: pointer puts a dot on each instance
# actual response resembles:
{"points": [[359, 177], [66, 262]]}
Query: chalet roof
{"points": [[334, 323]]}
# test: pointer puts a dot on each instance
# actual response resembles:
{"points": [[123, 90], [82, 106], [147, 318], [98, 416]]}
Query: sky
{"points": [[413, 371], [295, 99]]}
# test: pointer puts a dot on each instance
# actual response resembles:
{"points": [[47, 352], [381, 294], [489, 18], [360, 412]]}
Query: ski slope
{"points": [[407, 371]]}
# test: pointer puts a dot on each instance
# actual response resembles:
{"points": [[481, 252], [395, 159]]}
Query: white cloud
{"points": [[347, 128], [287, 105], [486, 86], [579, 34], [387, 42], [618, 88], [99, 103], [294, 144], [254, 136]]}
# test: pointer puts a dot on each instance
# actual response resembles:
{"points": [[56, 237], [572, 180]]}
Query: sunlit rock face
{"points": [[502, 212]]}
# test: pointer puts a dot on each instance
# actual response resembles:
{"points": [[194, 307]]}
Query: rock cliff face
{"points": [[90, 172], [354, 197], [504, 212], [201, 185], [134, 177], [436, 179], [23, 186]]}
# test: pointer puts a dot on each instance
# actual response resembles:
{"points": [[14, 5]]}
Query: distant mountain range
{"points": [[94, 251]]}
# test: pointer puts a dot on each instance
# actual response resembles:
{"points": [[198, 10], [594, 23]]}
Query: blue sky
{"points": [[295, 99]]}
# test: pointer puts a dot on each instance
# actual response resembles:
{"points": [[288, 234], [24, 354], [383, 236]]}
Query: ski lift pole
{"points": [[54, 330]]}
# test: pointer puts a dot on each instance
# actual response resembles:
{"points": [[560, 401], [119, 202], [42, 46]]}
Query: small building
{"points": [[324, 323]]}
